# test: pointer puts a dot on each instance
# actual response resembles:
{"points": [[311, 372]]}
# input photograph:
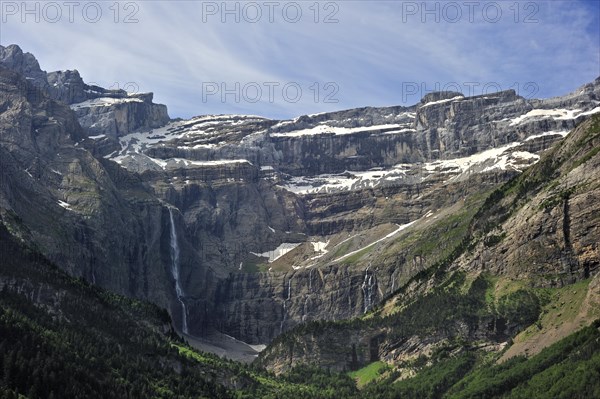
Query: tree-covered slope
{"points": [[63, 338]]}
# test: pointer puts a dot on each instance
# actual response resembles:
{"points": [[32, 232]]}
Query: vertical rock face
{"points": [[119, 116], [91, 217], [258, 307]]}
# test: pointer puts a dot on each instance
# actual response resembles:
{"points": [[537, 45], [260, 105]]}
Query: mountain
{"points": [[331, 238]]}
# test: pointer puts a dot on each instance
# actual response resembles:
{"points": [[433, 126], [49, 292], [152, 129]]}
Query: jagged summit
{"points": [[100, 110]]}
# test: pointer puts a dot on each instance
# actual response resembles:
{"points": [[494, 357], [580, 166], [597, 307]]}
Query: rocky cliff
{"points": [[91, 217]]}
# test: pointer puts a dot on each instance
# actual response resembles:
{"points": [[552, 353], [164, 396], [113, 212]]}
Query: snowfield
{"points": [[105, 102]]}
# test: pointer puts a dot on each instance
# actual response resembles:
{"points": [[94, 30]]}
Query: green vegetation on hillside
{"points": [[429, 383], [368, 373], [567, 369], [63, 338]]}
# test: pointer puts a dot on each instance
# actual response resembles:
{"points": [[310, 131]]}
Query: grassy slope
{"points": [[368, 373], [567, 369]]}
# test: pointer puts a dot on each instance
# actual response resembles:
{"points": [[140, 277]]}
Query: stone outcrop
{"points": [[116, 117]]}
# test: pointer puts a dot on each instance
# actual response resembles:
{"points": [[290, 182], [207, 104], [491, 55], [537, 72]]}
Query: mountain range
{"points": [[411, 248]]}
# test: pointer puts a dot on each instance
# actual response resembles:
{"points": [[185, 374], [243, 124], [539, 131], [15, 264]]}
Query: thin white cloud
{"points": [[369, 54]]}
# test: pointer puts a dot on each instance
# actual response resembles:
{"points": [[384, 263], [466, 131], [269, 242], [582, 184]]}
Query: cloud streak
{"points": [[370, 54]]}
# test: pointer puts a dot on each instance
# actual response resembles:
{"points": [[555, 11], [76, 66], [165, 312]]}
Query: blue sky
{"points": [[281, 59]]}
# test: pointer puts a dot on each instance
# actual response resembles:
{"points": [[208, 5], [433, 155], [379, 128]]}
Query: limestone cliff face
{"points": [[441, 126], [552, 226], [119, 116], [91, 217], [258, 307]]}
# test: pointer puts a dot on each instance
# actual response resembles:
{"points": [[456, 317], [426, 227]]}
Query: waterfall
{"points": [[367, 289], [175, 272], [289, 296], [284, 317]]}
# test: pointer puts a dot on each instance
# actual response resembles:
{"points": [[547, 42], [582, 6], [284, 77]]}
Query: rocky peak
{"points": [[68, 87], [100, 110], [13, 58]]}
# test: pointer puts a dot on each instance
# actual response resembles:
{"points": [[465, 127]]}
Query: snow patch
{"points": [[390, 235], [105, 102], [278, 252], [443, 101], [325, 129], [558, 114], [590, 112], [319, 247], [100, 136], [373, 178], [65, 205], [561, 133]]}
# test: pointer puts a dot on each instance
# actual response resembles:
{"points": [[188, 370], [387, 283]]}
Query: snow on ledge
{"points": [[65, 205], [105, 102], [443, 101], [390, 235], [557, 114], [278, 252], [338, 131]]}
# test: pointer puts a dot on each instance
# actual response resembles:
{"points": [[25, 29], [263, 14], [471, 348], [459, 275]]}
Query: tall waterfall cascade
{"points": [[287, 298], [367, 288], [175, 266]]}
